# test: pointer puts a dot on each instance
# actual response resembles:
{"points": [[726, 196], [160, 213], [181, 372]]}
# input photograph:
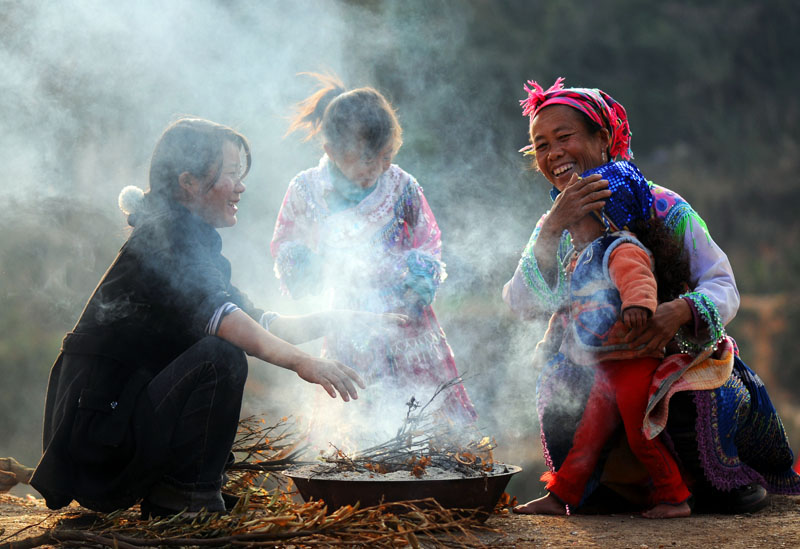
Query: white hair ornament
{"points": [[130, 199]]}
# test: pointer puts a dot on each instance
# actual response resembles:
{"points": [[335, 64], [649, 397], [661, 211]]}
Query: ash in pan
{"points": [[425, 446], [334, 472]]}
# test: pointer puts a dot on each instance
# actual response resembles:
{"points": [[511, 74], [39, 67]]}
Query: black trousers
{"points": [[198, 397]]}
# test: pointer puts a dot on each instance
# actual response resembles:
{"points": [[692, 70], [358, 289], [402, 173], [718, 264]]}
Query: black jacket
{"points": [[101, 443]]}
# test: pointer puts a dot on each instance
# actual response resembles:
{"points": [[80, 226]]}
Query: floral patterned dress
{"points": [[376, 250]]}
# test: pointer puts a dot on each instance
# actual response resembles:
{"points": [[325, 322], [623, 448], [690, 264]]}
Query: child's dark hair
{"points": [[346, 119], [672, 265]]}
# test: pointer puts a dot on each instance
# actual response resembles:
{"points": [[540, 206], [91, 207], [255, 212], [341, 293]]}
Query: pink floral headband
{"points": [[596, 104]]}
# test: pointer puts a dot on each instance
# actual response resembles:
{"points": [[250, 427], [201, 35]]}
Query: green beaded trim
{"points": [[710, 315], [681, 217], [551, 299]]}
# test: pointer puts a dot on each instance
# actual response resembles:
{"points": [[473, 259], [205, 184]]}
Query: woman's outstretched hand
{"points": [[242, 331], [332, 375], [661, 327], [366, 321], [388, 326], [302, 328]]}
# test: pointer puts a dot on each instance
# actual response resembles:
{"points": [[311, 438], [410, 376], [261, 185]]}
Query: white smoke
{"points": [[87, 87]]}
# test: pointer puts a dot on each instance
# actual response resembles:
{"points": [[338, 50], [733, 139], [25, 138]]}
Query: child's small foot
{"points": [[665, 510], [547, 505]]}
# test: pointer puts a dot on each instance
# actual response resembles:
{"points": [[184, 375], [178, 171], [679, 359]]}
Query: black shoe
{"points": [[152, 511], [744, 499], [84, 520], [231, 501], [747, 499]]}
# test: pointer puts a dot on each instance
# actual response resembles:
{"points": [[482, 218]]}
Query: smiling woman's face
{"points": [[219, 204], [564, 145]]}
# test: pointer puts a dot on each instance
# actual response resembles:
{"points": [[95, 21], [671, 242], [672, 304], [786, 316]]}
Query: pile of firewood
{"points": [[269, 516], [423, 440]]}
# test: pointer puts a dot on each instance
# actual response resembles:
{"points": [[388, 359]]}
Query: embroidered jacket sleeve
{"points": [[296, 265], [423, 260], [630, 269], [711, 272], [527, 293]]}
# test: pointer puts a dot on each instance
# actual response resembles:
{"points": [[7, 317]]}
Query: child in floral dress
{"points": [[358, 228]]}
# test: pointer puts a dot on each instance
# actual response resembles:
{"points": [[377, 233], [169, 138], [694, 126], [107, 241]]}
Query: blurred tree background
{"points": [[710, 88]]}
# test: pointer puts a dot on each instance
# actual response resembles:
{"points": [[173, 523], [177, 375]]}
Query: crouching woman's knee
{"points": [[229, 361]]}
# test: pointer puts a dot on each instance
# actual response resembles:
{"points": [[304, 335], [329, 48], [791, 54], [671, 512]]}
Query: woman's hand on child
{"points": [[332, 375], [662, 326]]}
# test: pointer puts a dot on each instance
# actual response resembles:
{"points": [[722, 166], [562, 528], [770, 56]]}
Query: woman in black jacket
{"points": [[143, 401]]}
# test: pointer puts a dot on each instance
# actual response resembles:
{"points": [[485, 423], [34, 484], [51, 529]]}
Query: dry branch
{"points": [[424, 439]]}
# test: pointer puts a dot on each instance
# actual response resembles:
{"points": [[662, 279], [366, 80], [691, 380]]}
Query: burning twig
{"points": [[262, 449], [422, 440]]}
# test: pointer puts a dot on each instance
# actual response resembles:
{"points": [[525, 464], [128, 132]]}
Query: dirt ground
{"points": [[778, 525]]}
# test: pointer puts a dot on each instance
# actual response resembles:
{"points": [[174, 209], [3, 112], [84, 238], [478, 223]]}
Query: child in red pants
{"points": [[613, 290], [620, 392]]}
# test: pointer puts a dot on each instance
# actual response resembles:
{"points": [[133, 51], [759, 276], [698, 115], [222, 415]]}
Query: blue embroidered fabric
{"points": [[741, 437], [595, 301], [347, 194], [631, 198], [422, 276]]}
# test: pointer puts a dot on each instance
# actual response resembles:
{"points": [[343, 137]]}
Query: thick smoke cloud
{"points": [[87, 87]]}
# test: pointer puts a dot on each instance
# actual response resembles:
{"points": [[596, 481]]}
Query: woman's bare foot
{"points": [[665, 510], [547, 505]]}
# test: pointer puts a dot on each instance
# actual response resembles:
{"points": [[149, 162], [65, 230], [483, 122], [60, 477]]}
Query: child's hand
{"points": [[422, 289], [635, 317]]}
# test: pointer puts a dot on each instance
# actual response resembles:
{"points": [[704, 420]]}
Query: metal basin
{"points": [[480, 493]]}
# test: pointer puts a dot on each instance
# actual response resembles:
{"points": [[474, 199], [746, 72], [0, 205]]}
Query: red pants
{"points": [[619, 392]]}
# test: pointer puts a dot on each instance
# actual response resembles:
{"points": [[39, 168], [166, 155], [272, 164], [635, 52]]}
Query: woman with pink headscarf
{"points": [[725, 430]]}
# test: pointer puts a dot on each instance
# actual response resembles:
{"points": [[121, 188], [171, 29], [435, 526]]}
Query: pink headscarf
{"points": [[596, 104]]}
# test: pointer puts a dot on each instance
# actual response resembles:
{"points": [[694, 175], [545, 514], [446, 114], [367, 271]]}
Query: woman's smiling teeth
{"points": [[562, 169]]}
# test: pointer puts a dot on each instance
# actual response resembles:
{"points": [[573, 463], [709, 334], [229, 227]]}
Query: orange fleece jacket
{"points": [[630, 271]]}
